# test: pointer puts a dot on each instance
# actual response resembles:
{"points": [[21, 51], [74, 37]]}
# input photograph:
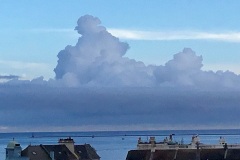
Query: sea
{"points": [[114, 145]]}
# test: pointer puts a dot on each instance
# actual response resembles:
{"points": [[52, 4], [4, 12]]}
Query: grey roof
{"points": [[35, 153], [12, 144], [86, 151], [61, 152]]}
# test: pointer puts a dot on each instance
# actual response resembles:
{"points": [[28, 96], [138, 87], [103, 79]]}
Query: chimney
{"points": [[69, 143], [152, 140]]}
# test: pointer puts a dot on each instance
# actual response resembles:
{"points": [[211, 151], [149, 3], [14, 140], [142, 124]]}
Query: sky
{"points": [[119, 65]]}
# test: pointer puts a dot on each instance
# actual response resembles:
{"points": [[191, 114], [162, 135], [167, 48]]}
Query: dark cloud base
{"points": [[46, 106]]}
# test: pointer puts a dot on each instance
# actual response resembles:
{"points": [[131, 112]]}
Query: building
{"points": [[64, 150], [171, 150], [14, 151]]}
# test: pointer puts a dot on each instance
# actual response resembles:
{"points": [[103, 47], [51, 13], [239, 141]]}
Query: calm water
{"points": [[115, 145]]}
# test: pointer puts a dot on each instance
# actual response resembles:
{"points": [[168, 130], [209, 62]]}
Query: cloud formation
{"points": [[175, 35], [8, 77], [36, 106], [98, 59], [96, 84], [185, 70]]}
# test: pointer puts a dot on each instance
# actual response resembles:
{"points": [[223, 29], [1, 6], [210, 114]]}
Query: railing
{"points": [[201, 146]]}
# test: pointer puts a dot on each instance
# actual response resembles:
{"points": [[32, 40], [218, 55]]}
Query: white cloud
{"points": [[98, 60], [26, 70], [2, 128], [175, 35], [224, 67], [228, 36]]}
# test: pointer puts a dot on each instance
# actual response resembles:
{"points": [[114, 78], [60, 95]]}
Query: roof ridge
{"points": [[91, 152], [89, 156], [45, 149]]}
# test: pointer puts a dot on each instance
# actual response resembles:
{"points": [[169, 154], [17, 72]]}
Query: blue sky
{"points": [[33, 32], [119, 65]]}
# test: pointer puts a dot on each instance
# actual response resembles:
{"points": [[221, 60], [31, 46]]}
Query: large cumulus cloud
{"points": [[185, 69], [99, 59], [96, 84]]}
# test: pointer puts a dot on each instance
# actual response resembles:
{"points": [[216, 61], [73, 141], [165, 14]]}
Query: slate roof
{"points": [[61, 152], [86, 151], [35, 153]]}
